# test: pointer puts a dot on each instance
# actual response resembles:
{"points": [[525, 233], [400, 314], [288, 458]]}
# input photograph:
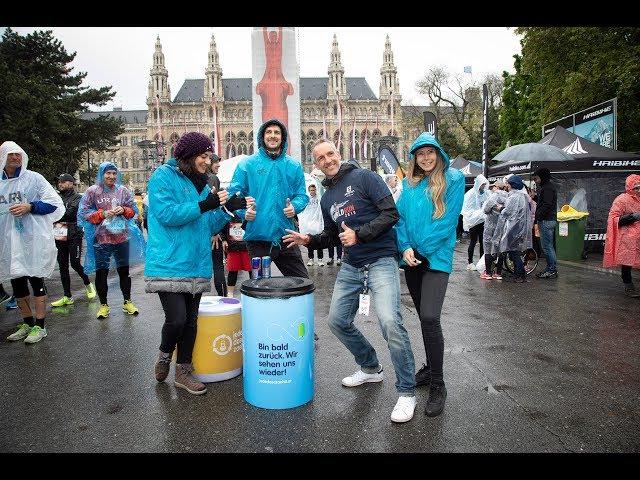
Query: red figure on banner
{"points": [[274, 88]]}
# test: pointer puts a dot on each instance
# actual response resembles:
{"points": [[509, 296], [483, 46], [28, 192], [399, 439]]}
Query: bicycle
{"points": [[529, 259]]}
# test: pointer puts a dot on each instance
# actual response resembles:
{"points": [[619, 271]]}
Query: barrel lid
{"points": [[214, 305], [277, 287]]}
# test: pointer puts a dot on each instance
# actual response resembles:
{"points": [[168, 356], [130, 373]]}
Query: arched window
{"points": [[302, 136], [311, 135], [242, 149], [211, 112], [376, 134], [251, 149], [357, 151], [174, 137], [231, 150], [242, 136]]}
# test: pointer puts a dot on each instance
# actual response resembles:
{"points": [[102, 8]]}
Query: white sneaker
{"points": [[360, 377], [310, 263], [320, 263], [339, 262], [471, 266], [36, 334], [403, 411], [22, 332]]}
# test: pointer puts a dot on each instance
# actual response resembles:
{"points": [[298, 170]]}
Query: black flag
{"points": [[388, 161], [430, 123]]}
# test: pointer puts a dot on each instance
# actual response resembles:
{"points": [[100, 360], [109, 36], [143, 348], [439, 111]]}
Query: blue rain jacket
{"points": [[432, 238], [179, 235], [270, 181]]}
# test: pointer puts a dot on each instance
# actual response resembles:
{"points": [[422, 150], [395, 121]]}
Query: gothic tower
{"points": [[159, 82], [388, 75], [213, 75], [336, 84]]}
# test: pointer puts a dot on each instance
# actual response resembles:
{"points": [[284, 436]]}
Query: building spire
{"points": [[389, 74], [213, 73], [336, 84], [159, 81]]}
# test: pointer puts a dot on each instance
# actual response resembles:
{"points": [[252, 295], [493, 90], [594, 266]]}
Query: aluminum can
{"points": [[256, 264], [266, 267]]}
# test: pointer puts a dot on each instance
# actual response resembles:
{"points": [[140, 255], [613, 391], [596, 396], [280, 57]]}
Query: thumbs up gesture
{"points": [[348, 236], [250, 214], [289, 211]]}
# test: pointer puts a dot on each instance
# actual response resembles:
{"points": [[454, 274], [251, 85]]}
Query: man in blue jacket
{"points": [[358, 204], [276, 182]]}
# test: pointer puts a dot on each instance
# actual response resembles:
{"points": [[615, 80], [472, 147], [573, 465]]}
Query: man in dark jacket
{"points": [[546, 211], [359, 212], [69, 241]]}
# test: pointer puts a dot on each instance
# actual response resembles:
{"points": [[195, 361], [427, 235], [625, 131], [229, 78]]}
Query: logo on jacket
{"points": [[349, 191], [13, 197], [341, 209]]}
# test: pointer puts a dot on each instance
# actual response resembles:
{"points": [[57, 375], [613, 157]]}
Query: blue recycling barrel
{"points": [[277, 341]]}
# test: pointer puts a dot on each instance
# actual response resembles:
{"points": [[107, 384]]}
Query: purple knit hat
{"points": [[191, 145]]}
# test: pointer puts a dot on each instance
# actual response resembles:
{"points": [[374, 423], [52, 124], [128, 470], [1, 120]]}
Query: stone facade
{"points": [[192, 110]]}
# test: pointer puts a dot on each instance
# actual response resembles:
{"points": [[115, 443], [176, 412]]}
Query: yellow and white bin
{"points": [[217, 353]]}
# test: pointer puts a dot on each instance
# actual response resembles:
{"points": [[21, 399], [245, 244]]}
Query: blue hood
{"points": [[285, 136], [426, 139], [104, 166]]}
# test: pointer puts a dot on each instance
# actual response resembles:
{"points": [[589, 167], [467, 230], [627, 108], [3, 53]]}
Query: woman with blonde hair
{"points": [[429, 207]]}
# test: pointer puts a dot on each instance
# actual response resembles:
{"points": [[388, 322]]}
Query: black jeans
{"points": [[180, 324], [70, 251], [288, 260], [475, 235], [319, 250], [217, 256], [625, 271], [427, 291], [339, 250]]}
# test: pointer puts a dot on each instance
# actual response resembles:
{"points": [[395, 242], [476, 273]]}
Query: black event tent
{"points": [[469, 168], [595, 172]]}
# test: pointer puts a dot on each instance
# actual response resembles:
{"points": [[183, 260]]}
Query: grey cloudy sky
{"points": [[122, 57]]}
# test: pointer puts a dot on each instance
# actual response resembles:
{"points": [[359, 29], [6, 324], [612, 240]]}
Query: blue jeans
{"points": [[547, 233], [384, 288]]}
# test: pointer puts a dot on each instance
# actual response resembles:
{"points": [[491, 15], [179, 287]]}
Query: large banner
{"points": [[598, 124], [388, 161], [276, 85]]}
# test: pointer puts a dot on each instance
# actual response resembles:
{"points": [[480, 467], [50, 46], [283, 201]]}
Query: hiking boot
{"points": [[423, 376], [62, 302], [22, 332], [359, 377], [103, 311], [485, 276], [547, 274], [36, 334], [130, 308], [435, 404], [162, 366], [330, 262], [185, 380], [403, 411], [630, 291], [91, 291]]}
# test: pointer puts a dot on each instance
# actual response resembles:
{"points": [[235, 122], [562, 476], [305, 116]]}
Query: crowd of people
{"points": [[376, 226]]}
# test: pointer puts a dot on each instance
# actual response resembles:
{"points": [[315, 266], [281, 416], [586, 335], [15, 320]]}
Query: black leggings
{"points": [[70, 251], [217, 256], [101, 283], [427, 291], [180, 324], [21, 288], [625, 271], [475, 234], [319, 250]]}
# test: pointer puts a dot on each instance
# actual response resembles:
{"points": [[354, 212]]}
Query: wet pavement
{"points": [[546, 366]]}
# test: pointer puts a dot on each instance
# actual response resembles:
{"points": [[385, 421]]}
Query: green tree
{"points": [[562, 70], [41, 102]]}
